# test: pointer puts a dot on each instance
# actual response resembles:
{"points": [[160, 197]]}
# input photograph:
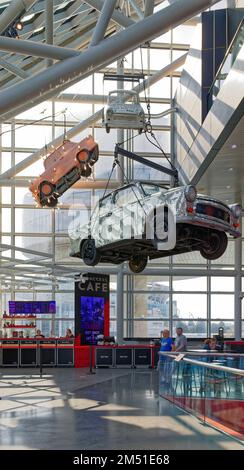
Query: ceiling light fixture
{"points": [[19, 26]]}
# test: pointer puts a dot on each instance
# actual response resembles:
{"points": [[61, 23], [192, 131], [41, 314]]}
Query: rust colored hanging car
{"points": [[63, 167]]}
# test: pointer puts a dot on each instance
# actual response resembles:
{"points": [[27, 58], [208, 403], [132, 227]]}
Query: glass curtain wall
{"points": [[169, 298]]}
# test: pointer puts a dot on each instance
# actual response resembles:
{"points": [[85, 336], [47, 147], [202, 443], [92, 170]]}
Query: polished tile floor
{"points": [[112, 409]]}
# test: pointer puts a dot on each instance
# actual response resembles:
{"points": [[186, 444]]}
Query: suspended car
{"points": [[118, 229], [120, 115], [63, 168]]}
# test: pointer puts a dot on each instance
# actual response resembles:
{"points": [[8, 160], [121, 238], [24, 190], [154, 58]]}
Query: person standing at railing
{"points": [[166, 341], [165, 362], [180, 341]]}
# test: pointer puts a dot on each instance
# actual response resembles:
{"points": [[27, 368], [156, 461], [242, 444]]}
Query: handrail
{"points": [[209, 365], [203, 353], [225, 57]]}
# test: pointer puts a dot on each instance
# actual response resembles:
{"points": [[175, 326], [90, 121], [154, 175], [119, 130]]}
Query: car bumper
{"points": [[208, 222], [74, 248]]}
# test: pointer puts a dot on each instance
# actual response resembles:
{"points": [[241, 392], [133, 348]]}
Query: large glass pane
{"points": [[6, 220], [24, 196], [149, 329], [222, 306], [39, 244], [6, 195], [148, 283], [33, 220], [228, 326], [189, 306], [33, 136], [222, 284], [65, 305], [151, 305], [5, 161], [191, 284], [191, 329]]}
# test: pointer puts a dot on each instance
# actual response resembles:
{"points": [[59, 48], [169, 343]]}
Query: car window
{"points": [[105, 205], [126, 196], [150, 189]]}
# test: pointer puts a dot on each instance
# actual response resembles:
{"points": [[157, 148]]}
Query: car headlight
{"points": [[236, 210], [190, 193]]}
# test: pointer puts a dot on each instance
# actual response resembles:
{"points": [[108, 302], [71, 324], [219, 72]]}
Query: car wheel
{"points": [[215, 246], [86, 171], [51, 201], [83, 156], [137, 264], [46, 189], [89, 252]]}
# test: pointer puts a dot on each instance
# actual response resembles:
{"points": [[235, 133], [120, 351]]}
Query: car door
{"points": [[129, 210], [104, 225]]}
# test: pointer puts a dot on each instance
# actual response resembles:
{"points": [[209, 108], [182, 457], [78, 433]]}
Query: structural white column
{"points": [[238, 289], [120, 275]]}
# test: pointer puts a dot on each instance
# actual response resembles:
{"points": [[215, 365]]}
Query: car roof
{"points": [[133, 183]]}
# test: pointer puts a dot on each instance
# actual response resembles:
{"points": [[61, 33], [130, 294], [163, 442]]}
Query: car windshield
{"points": [[150, 189]]}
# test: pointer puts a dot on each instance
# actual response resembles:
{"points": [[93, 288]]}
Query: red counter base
{"points": [[82, 353]]}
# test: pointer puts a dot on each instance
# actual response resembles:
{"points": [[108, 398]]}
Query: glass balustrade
{"points": [[210, 386]]}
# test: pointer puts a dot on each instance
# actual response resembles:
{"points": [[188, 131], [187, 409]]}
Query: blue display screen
{"points": [[92, 318], [27, 308]]}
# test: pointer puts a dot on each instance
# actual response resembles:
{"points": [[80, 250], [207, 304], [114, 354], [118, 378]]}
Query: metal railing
{"points": [[209, 385]]}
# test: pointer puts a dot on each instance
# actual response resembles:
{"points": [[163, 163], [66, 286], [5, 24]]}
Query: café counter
{"points": [[31, 352]]}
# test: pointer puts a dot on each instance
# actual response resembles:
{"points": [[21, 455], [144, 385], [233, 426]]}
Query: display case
{"points": [[18, 326]]}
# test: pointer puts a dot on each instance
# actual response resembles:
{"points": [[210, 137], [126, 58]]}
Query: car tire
{"points": [[215, 246], [51, 202], [85, 172], [137, 264], [89, 252]]}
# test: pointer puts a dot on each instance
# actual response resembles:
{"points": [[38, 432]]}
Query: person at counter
{"points": [[39, 335], [69, 333]]}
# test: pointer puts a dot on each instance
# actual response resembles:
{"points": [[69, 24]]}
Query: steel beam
{"points": [[103, 21], [117, 15], [4, 247], [49, 14], [13, 69], [149, 6], [99, 99], [13, 12], [35, 49], [81, 184], [59, 75], [137, 9], [87, 122]]}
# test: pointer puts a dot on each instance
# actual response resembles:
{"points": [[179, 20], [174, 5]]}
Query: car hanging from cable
{"points": [[119, 114], [124, 226], [63, 167]]}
